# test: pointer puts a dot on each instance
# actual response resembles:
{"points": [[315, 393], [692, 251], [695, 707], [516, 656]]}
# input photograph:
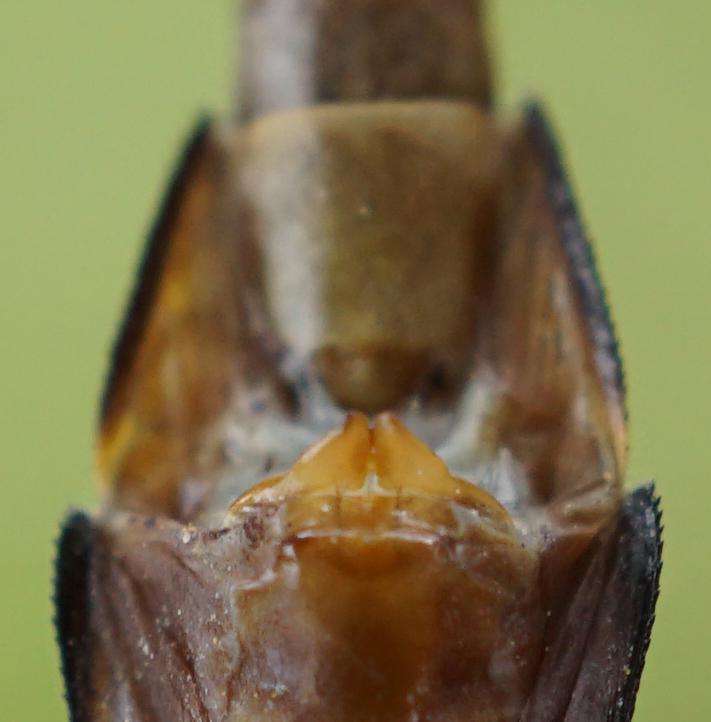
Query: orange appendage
{"points": [[377, 481]]}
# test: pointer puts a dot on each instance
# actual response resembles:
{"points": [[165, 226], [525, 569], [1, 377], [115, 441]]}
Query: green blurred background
{"points": [[95, 98]]}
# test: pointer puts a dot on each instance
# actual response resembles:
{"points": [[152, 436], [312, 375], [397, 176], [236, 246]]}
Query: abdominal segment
{"points": [[387, 629]]}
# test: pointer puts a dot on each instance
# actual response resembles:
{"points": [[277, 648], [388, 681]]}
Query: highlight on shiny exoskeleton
{"points": [[363, 441]]}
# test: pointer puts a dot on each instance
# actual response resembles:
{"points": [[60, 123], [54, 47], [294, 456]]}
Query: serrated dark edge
{"points": [[72, 611], [578, 249], [150, 269], [643, 518]]}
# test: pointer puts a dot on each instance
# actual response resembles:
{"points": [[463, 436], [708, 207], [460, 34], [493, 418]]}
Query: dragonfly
{"points": [[363, 440]]}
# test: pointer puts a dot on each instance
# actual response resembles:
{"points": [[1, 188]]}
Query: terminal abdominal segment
{"points": [[363, 441]]}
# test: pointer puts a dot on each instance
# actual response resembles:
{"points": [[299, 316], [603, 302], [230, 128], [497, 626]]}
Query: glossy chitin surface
{"points": [[401, 586]]}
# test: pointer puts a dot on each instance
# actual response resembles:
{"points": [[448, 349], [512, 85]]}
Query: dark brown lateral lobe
{"points": [[304, 52], [597, 642]]}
